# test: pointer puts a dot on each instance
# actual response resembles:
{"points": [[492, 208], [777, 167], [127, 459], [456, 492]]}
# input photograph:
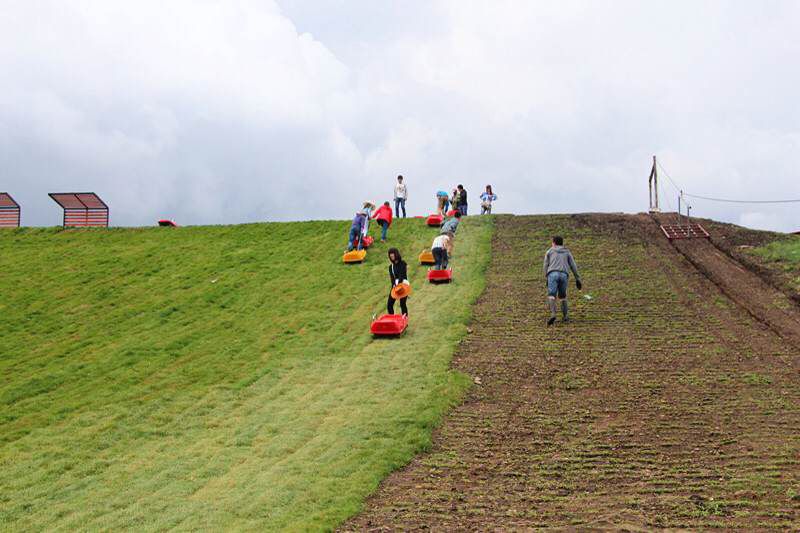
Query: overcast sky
{"points": [[236, 111]]}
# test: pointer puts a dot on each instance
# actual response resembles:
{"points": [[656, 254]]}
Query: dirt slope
{"points": [[667, 401]]}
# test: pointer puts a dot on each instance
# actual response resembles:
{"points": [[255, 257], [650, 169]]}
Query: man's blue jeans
{"points": [[440, 256], [463, 209], [557, 284], [354, 234], [398, 203]]}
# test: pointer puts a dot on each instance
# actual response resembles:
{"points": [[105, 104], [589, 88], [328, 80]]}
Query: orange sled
{"points": [[426, 258], [434, 220], [389, 325], [354, 256], [440, 276]]}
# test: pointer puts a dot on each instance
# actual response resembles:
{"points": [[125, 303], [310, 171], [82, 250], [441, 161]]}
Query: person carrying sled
{"points": [[558, 262], [398, 273], [384, 217]]}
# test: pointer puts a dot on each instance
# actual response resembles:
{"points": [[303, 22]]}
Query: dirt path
{"points": [[663, 403]]}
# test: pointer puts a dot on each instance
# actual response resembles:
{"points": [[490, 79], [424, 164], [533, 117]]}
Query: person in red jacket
{"points": [[384, 217]]}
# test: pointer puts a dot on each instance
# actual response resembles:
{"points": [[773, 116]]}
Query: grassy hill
{"points": [[215, 377]]}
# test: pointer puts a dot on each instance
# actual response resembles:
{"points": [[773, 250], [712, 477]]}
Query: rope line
{"points": [[725, 200], [665, 196], [741, 201], [668, 176]]}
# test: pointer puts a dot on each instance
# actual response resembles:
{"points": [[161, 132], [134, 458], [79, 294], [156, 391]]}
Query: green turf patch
{"points": [[785, 251], [216, 377]]}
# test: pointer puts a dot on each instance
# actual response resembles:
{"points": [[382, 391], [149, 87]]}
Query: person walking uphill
{"points": [[441, 249], [398, 273], [355, 231], [400, 196], [451, 225], [558, 261], [384, 217]]}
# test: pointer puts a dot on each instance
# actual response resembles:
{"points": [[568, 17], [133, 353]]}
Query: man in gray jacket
{"points": [[558, 261]]}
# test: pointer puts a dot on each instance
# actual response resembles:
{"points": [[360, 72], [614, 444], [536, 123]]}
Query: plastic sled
{"points": [[368, 241], [354, 256], [452, 212], [440, 276], [389, 325], [434, 220], [167, 223], [401, 290], [426, 258]]}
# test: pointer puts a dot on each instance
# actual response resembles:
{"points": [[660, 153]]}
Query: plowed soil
{"points": [[671, 399]]}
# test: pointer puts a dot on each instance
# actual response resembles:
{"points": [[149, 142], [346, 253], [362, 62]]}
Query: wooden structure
{"points": [[82, 209], [684, 231], [9, 211]]}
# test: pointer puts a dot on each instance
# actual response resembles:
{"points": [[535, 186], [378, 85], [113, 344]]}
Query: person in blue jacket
{"points": [[355, 231], [442, 202], [487, 197]]}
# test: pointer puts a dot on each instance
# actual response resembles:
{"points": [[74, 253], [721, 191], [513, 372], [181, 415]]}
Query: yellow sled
{"points": [[355, 256], [426, 258]]}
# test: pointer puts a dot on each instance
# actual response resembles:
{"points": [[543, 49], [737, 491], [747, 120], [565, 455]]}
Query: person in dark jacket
{"points": [[398, 273], [462, 199], [558, 262]]}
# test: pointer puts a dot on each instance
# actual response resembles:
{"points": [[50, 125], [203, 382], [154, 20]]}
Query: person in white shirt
{"points": [[400, 195], [441, 248]]}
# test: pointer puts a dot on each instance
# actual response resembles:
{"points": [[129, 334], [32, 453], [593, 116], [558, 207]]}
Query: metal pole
{"points": [[655, 176]]}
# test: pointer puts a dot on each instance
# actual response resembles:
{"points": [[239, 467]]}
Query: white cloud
{"points": [[299, 109]]}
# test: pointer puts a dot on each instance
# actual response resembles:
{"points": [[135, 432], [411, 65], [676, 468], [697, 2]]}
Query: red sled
{"points": [[367, 241], [167, 223], [435, 220], [440, 276], [452, 212], [389, 325]]}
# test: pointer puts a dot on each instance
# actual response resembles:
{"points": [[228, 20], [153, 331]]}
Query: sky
{"points": [[229, 111]]}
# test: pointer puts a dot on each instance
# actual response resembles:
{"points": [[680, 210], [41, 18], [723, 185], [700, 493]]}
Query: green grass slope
{"points": [[215, 377], [783, 255]]}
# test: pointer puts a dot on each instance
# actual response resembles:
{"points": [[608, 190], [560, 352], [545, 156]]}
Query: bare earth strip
{"points": [[668, 401]]}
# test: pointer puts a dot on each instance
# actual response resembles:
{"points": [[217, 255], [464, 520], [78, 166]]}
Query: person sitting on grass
{"points": [[441, 249], [355, 231], [398, 273], [558, 261], [384, 217], [451, 225]]}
